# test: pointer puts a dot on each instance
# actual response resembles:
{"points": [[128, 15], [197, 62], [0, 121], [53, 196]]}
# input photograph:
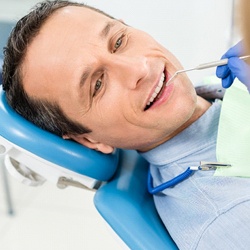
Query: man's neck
{"points": [[201, 107]]}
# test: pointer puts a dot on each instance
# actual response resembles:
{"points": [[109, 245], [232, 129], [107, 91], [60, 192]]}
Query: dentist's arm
{"points": [[235, 68]]}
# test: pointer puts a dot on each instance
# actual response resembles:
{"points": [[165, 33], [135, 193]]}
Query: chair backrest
{"points": [[128, 208]]}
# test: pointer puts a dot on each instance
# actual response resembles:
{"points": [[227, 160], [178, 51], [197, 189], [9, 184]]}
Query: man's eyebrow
{"points": [[105, 31], [84, 77]]}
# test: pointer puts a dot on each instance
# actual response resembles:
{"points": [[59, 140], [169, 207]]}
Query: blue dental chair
{"points": [[33, 156]]}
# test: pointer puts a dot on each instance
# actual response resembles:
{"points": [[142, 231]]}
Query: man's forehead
{"points": [[71, 22], [59, 41], [75, 21], [74, 13]]}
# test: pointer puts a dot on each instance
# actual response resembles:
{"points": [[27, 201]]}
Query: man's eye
{"points": [[98, 85], [118, 43]]}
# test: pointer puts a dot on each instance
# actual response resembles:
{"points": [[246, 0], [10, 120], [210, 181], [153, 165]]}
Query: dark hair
{"points": [[45, 114]]}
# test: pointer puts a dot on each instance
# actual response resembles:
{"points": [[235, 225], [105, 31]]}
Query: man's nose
{"points": [[129, 70]]}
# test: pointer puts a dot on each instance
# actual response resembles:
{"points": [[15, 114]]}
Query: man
{"points": [[97, 63], [85, 76]]}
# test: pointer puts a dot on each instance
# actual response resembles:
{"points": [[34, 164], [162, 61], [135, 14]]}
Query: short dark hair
{"points": [[45, 114]]}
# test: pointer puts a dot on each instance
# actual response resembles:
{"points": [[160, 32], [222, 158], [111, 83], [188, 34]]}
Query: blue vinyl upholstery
{"points": [[126, 205]]}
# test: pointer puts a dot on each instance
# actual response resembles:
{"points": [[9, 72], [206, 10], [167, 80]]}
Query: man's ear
{"points": [[90, 143]]}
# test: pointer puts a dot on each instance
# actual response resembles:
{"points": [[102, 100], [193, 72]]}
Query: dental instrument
{"points": [[204, 166], [204, 66]]}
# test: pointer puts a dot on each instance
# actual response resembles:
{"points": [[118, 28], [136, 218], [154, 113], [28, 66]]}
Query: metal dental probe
{"points": [[204, 66]]}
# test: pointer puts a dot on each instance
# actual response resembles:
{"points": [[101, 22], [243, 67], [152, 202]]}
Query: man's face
{"points": [[104, 75]]}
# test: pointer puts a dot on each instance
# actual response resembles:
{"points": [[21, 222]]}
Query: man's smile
{"points": [[159, 92]]}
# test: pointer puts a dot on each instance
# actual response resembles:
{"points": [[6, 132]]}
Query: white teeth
{"points": [[157, 89]]}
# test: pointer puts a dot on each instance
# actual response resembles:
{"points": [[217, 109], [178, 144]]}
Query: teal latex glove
{"points": [[235, 68]]}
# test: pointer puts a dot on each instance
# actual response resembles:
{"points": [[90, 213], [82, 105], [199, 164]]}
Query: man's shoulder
{"points": [[210, 92]]}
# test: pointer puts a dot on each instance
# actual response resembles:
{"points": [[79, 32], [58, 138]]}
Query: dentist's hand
{"points": [[235, 68]]}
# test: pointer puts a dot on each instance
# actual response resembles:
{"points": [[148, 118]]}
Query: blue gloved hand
{"points": [[235, 67]]}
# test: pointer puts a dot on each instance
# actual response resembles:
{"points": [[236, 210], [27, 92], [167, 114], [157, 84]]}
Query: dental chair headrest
{"points": [[50, 147]]}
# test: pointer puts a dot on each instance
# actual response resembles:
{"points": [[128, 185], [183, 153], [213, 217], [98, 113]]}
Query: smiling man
{"points": [[109, 78], [84, 75]]}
